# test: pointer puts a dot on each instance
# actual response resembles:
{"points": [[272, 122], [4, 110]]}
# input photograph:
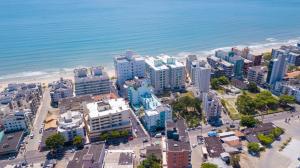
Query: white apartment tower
{"points": [[70, 124], [61, 89], [212, 106], [106, 116], [188, 63], [91, 81], [165, 73], [201, 72], [128, 66]]}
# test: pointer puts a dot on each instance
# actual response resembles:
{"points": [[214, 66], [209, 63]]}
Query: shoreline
{"points": [[48, 77]]}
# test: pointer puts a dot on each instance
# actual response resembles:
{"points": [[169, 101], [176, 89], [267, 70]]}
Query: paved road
{"points": [[137, 126], [39, 119]]}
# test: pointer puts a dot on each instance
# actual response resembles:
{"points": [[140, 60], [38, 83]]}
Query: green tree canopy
{"points": [[248, 121], [216, 82], [55, 141], [253, 147], [266, 140], [78, 141], [267, 56], [224, 80], [252, 87], [265, 99], [286, 99], [276, 132], [209, 165], [150, 162], [245, 104]]}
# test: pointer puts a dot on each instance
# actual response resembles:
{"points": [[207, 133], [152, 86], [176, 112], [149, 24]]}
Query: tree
{"points": [[150, 162], [248, 121], [208, 165], [266, 140], [55, 141], [276, 132], [267, 56], [253, 147], [235, 161], [286, 99], [223, 80], [292, 68], [78, 141], [215, 84], [245, 104], [104, 136], [252, 87], [264, 100]]}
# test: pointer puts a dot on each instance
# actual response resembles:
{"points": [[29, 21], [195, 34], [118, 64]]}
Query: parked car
{"points": [[145, 140], [31, 136], [194, 145], [157, 135]]}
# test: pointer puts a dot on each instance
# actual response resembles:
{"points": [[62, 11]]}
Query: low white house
{"points": [[70, 124]]}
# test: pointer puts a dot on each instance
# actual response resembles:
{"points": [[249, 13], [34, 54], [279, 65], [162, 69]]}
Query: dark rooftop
{"points": [[125, 159], [11, 142], [93, 153], [261, 128], [252, 138], [214, 146], [178, 128]]}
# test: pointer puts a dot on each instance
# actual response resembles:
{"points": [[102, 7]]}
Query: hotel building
{"points": [[106, 116], [70, 124], [91, 81], [61, 89], [128, 66], [165, 73]]}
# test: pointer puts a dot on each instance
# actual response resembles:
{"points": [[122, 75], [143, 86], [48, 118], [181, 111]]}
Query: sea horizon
{"points": [[46, 38]]}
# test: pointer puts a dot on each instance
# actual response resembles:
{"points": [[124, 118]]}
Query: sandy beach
{"points": [[48, 78]]}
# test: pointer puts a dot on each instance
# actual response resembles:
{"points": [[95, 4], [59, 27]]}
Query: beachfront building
{"points": [[91, 81], [70, 124], [201, 72], [222, 65], [106, 116], [22, 96], [16, 121], [133, 87], [128, 66], [60, 89], [292, 54], [188, 63], [155, 113], [277, 69], [290, 87], [177, 145], [165, 73], [212, 107], [256, 74]]}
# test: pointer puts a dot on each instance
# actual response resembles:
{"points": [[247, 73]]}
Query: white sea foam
{"points": [[268, 44]]}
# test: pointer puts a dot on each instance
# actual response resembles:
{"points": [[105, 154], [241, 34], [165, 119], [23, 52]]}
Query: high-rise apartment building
{"points": [[165, 73], [106, 116], [128, 66], [91, 81], [277, 69]]}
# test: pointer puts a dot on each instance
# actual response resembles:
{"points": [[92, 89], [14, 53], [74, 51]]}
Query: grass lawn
{"points": [[230, 106]]}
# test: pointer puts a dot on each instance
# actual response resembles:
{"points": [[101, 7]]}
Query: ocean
{"points": [[39, 37]]}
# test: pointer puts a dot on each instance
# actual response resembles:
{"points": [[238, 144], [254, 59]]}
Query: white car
{"points": [[194, 145]]}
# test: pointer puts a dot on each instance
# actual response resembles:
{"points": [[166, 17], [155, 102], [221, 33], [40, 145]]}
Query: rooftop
{"points": [[128, 56], [92, 153], [11, 142], [156, 63], [182, 144], [119, 159], [69, 120], [261, 128], [214, 146], [114, 106]]}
